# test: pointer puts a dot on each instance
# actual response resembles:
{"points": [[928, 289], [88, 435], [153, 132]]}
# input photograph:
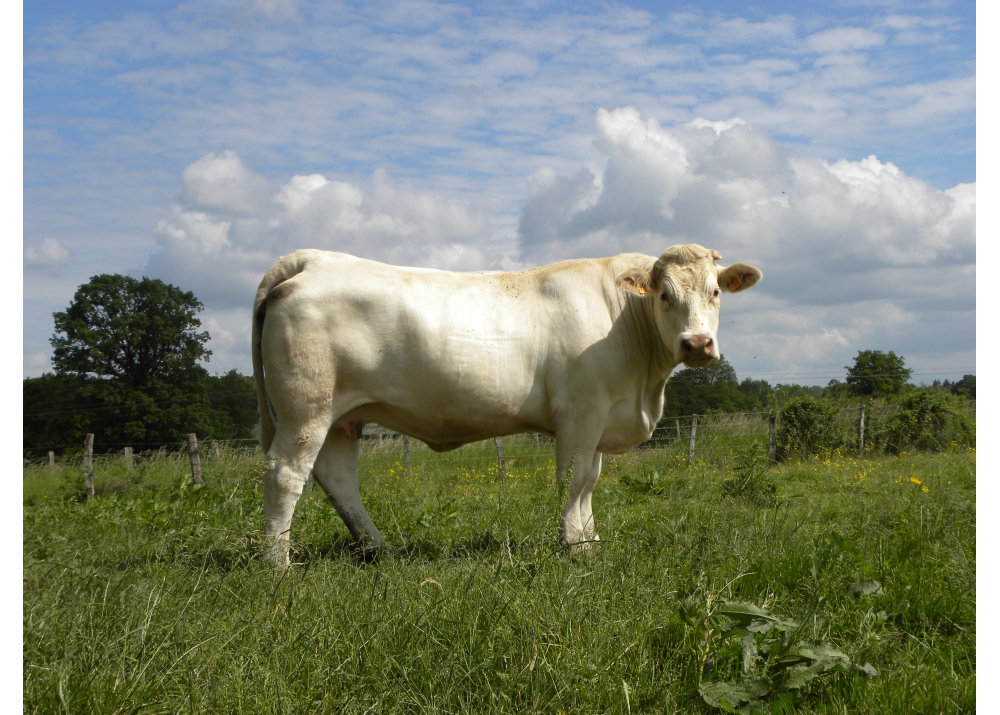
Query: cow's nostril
{"points": [[699, 344]]}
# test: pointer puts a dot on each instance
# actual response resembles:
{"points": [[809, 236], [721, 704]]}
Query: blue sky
{"points": [[831, 144]]}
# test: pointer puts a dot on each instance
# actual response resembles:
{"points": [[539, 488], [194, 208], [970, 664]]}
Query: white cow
{"points": [[578, 350]]}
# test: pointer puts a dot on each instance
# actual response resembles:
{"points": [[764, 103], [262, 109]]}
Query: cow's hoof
{"points": [[367, 553], [579, 548], [277, 557]]}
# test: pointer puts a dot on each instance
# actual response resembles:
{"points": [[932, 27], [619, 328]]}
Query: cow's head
{"points": [[684, 289]]}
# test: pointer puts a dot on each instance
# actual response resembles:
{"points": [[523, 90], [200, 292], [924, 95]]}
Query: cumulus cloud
{"points": [[860, 238], [728, 183], [222, 182], [50, 253], [231, 224]]}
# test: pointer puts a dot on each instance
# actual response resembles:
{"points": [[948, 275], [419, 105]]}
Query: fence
{"points": [[710, 438]]}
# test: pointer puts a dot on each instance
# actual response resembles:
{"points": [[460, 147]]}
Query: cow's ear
{"points": [[739, 276], [636, 280]]}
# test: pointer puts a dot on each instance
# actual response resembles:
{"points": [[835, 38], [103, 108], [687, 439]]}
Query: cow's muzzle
{"points": [[698, 350]]}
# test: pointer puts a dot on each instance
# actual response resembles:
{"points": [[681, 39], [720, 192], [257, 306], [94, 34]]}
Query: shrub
{"points": [[926, 421], [806, 426], [751, 482]]}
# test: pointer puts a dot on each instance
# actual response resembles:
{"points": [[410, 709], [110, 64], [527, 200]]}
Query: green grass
{"points": [[152, 597]]}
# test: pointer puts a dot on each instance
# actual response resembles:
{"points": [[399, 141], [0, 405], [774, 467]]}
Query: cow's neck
{"points": [[638, 338]]}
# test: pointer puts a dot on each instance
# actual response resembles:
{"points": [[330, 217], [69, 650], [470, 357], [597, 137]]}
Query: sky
{"points": [[832, 144]]}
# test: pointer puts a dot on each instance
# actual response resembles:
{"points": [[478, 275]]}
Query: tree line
{"points": [[126, 356], [875, 375]]}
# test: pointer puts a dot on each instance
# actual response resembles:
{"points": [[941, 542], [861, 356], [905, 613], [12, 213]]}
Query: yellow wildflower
{"points": [[915, 480]]}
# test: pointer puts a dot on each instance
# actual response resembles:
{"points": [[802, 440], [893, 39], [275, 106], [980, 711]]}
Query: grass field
{"points": [[152, 596]]}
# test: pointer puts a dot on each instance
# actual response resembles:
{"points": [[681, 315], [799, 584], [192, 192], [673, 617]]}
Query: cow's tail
{"points": [[286, 267]]}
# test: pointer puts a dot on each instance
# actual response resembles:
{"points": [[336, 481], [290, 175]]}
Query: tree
{"points": [[234, 400], [760, 389], [704, 390], [138, 331], [966, 387], [877, 374]]}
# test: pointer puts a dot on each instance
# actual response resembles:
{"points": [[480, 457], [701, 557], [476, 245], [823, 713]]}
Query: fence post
{"points": [[88, 464], [500, 459], [694, 429], [195, 459], [861, 430], [677, 423], [406, 451], [128, 458], [52, 458], [772, 447], [216, 453]]}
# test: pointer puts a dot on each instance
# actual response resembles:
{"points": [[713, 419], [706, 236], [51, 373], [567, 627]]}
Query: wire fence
{"points": [[714, 438]]}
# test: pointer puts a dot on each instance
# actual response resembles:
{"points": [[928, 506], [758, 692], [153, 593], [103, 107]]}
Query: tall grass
{"points": [[152, 597]]}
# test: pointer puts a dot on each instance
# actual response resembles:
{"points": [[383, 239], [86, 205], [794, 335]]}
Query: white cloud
{"points": [[49, 253], [225, 232], [843, 39], [221, 182]]}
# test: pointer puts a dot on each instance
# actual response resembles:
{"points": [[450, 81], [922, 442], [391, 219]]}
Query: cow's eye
{"points": [[663, 296], [716, 293]]}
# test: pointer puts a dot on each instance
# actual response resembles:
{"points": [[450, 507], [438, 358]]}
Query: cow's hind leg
{"points": [[292, 455], [336, 470]]}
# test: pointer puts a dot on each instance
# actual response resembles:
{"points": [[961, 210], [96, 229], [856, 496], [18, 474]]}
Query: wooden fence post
{"points": [[500, 459], [694, 430], [772, 446], [128, 458], [195, 459], [88, 464], [861, 430], [216, 452], [52, 458], [677, 423], [406, 451]]}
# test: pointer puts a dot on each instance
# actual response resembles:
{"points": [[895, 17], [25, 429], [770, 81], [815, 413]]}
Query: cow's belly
{"points": [[441, 429]]}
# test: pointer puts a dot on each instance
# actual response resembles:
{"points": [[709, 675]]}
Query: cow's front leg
{"points": [[577, 529], [586, 512]]}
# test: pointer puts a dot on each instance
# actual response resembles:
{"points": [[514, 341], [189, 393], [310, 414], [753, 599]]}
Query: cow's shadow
{"points": [[407, 549]]}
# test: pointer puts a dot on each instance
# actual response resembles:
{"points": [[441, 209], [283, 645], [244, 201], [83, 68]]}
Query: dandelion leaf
{"points": [[868, 587], [736, 697]]}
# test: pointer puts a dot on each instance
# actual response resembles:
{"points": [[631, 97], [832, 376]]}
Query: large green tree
{"points": [[138, 331], [877, 374]]}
